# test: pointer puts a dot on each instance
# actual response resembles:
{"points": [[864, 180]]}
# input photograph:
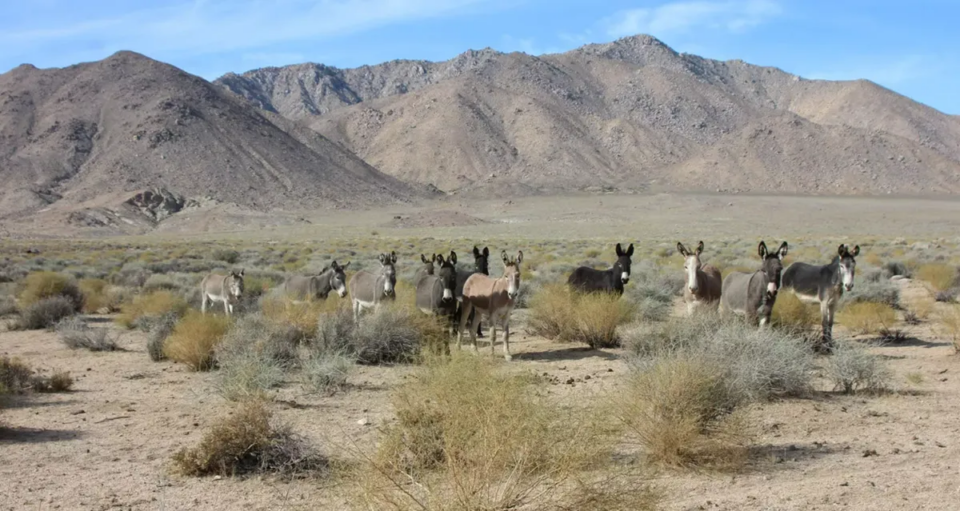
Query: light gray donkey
{"points": [[221, 288], [369, 290], [317, 287], [823, 285], [752, 295]]}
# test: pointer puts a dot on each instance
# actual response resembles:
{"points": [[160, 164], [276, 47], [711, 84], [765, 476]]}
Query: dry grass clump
{"points": [[852, 369], [46, 313], [682, 411], [59, 381], [150, 306], [96, 296], [874, 286], [867, 318], [940, 276], [326, 373], [8, 306], [470, 437], [395, 333], [300, 315], [76, 334], [158, 330], [949, 325], [16, 377], [790, 313], [194, 339], [43, 285], [248, 441], [559, 313], [254, 356]]}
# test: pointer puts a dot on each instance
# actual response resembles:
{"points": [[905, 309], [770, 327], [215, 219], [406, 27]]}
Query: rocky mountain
{"points": [[130, 132], [631, 114]]}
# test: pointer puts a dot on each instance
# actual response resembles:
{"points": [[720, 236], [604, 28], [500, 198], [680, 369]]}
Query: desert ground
{"points": [[108, 442]]}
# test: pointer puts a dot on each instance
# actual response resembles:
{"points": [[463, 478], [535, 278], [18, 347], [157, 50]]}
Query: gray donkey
{"points": [[317, 287], [369, 290], [221, 288], [752, 295], [824, 285], [435, 293]]}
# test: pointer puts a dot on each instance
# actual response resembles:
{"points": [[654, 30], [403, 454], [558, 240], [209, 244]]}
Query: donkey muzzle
{"points": [[624, 277], [848, 287], [447, 295]]}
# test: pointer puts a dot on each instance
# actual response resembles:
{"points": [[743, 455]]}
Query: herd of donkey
{"points": [[462, 296]]}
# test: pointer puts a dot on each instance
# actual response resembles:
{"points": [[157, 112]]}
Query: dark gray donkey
{"points": [[369, 290], [426, 269], [753, 294], [317, 287], [823, 285], [588, 280], [435, 293], [481, 265]]}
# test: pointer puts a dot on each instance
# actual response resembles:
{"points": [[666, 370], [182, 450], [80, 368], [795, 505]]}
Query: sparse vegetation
{"points": [[249, 441], [852, 368], [326, 372], [194, 339], [876, 288], [867, 318], [793, 315], [46, 312], [158, 331], [254, 356], [16, 377], [76, 334], [561, 314], [43, 285], [394, 333], [95, 296], [941, 277], [949, 325], [148, 307]]}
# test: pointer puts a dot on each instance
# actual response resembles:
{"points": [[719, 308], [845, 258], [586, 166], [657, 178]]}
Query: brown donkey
{"points": [[703, 281], [494, 298]]}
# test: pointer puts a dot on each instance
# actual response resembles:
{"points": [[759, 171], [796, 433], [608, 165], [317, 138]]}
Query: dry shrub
{"points": [[468, 437], [852, 368], [327, 373], [561, 314], [867, 318], [194, 339], [248, 441], [683, 413], [42, 285], [923, 308], [46, 313], [95, 296], [59, 381], [16, 377], [158, 332], [940, 276], [300, 315], [393, 333], [949, 325], [76, 334], [254, 356], [790, 313], [8, 306], [148, 307]]}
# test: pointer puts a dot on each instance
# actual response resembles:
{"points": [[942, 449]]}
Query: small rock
{"points": [[78, 412], [570, 381], [363, 422], [938, 444], [869, 452], [844, 484], [587, 377]]}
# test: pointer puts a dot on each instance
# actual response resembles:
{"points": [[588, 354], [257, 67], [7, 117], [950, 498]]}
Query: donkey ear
{"points": [[630, 250], [423, 258], [503, 255], [434, 258], [782, 252], [344, 267], [762, 250], [438, 258], [841, 249], [333, 265], [240, 273], [856, 251], [382, 258], [519, 256], [486, 252], [476, 251], [682, 249], [699, 248], [619, 251], [453, 257], [393, 256]]}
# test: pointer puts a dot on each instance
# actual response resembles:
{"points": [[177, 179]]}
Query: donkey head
{"points": [[848, 265], [481, 260], [511, 272], [772, 266], [428, 263], [338, 278], [622, 266], [691, 265], [448, 274], [234, 285], [388, 271]]}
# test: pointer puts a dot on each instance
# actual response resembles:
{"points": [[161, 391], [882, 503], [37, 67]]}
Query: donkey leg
{"points": [[227, 308], [203, 303], [506, 340], [832, 309], [464, 315], [493, 335], [473, 330]]}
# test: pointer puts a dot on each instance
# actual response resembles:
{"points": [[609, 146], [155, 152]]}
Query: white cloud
{"points": [[684, 17], [885, 71], [213, 26], [528, 46]]}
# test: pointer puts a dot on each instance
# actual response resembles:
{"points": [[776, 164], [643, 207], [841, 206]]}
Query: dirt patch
{"points": [[441, 218]]}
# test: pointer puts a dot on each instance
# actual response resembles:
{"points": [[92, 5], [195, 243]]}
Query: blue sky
{"points": [[910, 47]]}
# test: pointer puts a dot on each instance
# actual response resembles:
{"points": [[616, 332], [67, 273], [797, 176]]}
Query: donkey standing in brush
{"points": [[434, 294], [494, 298], [369, 290], [481, 265], [589, 280], [752, 295], [221, 288], [317, 287], [703, 281], [823, 285]]}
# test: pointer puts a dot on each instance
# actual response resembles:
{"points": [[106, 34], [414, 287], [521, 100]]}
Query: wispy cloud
{"points": [[685, 17], [528, 45], [214, 26]]}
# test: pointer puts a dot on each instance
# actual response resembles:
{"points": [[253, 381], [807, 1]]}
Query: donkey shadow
{"points": [[768, 457], [36, 436], [573, 353]]}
